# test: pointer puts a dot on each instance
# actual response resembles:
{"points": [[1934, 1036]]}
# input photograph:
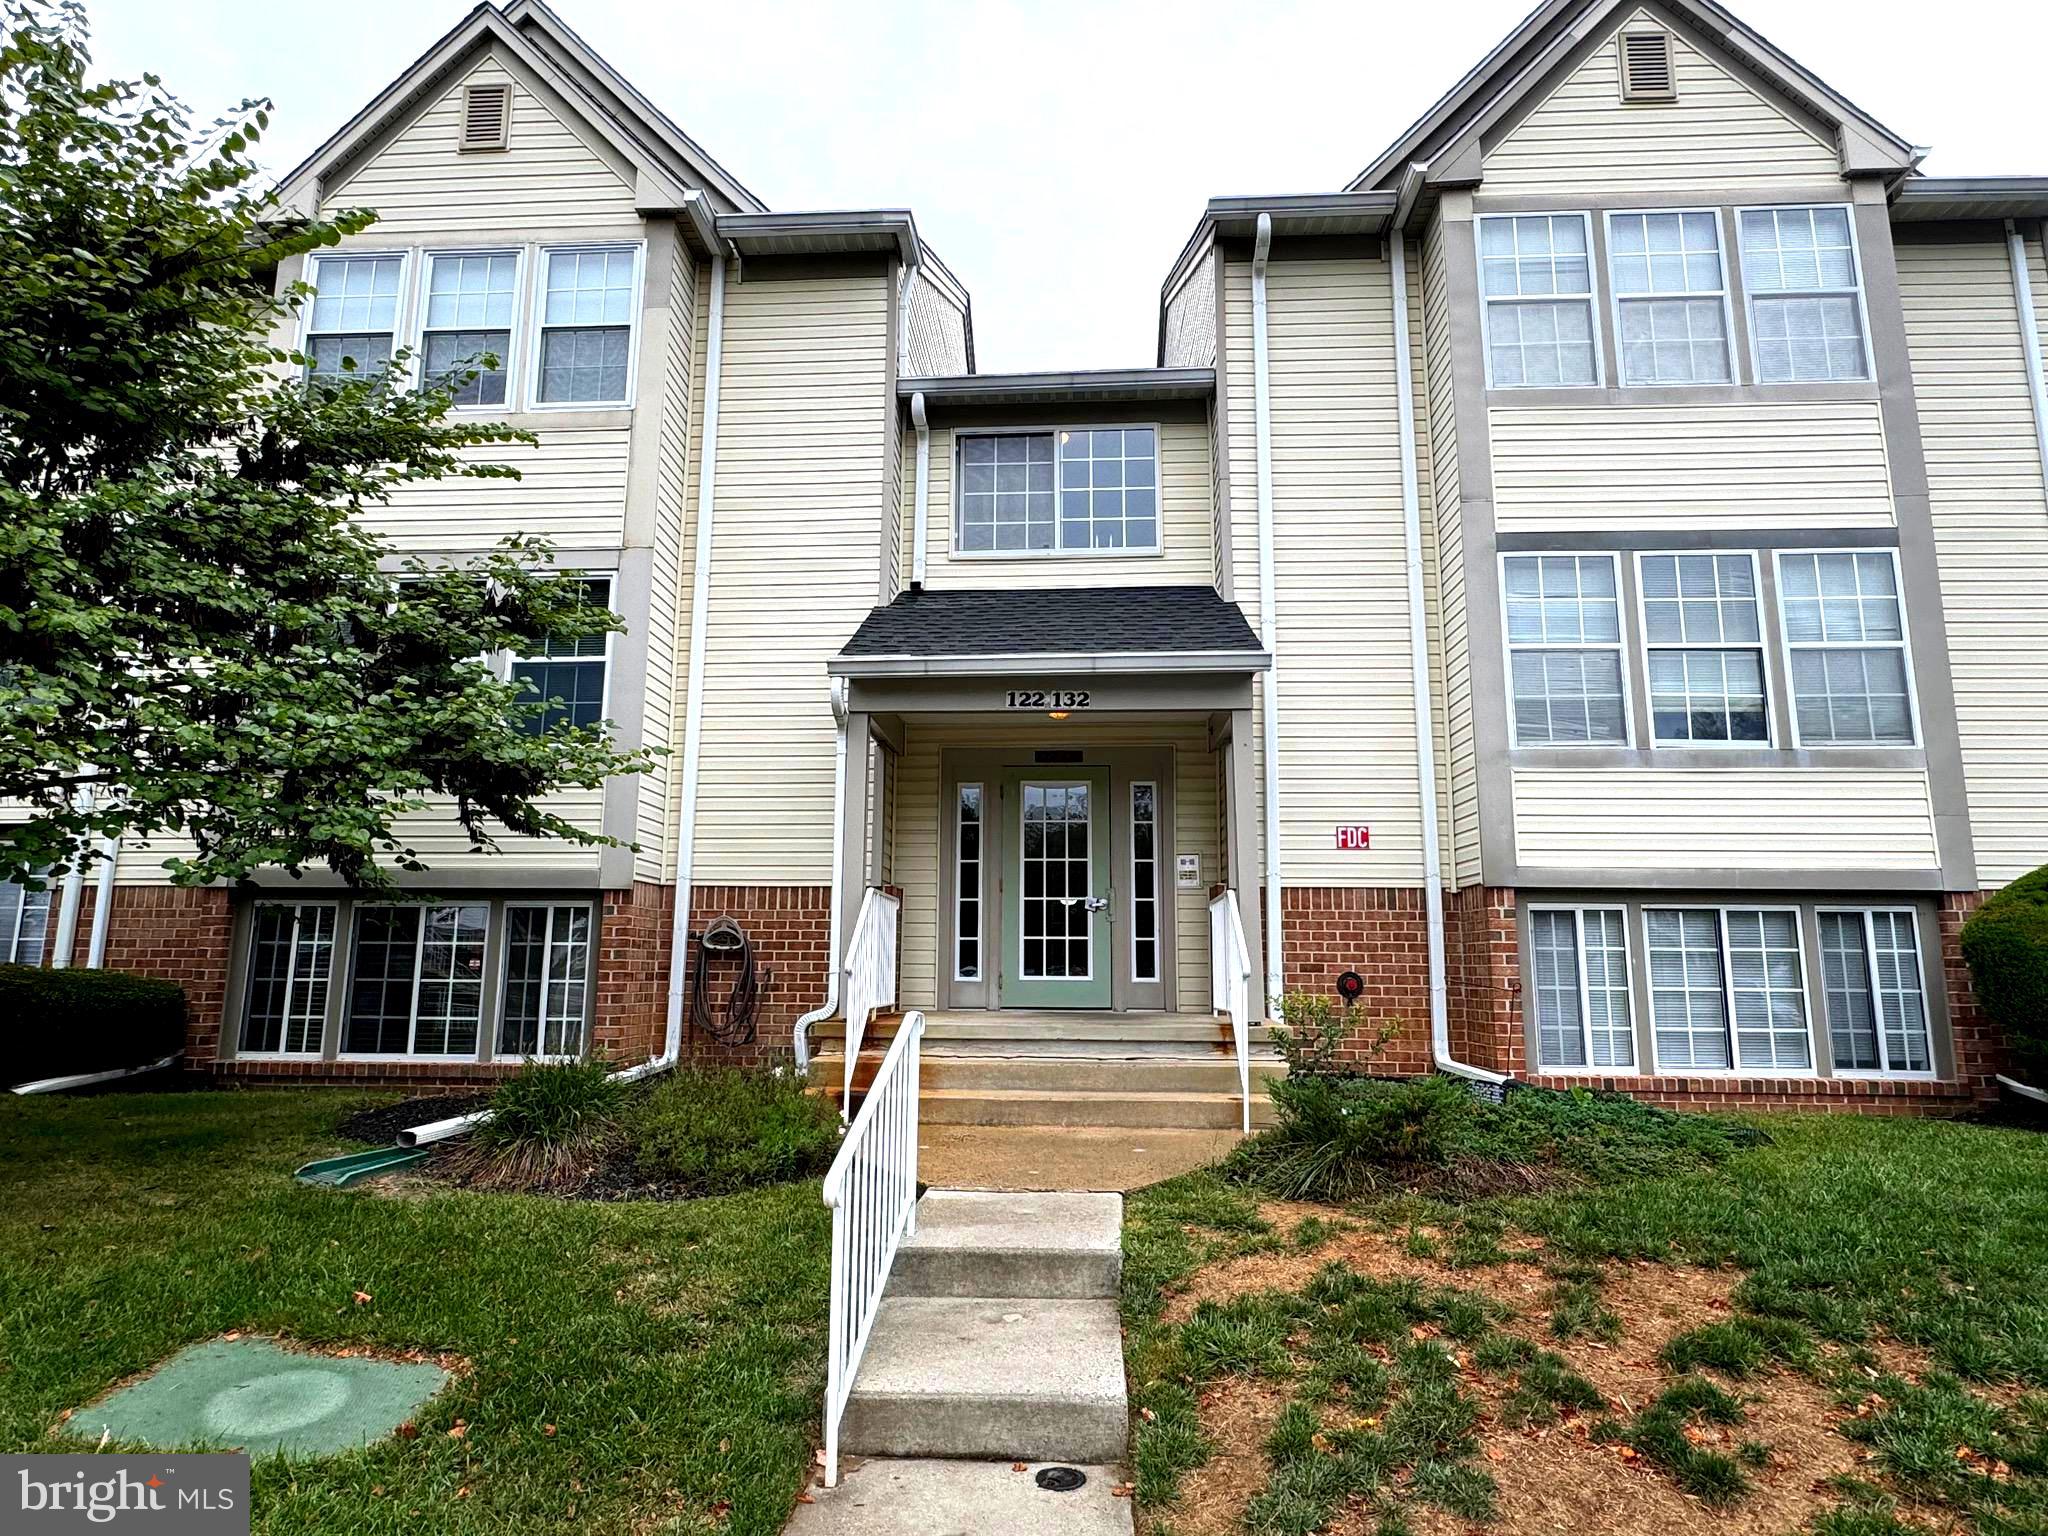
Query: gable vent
{"points": [[486, 116], [1648, 72]]}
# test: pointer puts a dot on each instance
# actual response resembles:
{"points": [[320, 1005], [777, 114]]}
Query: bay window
{"points": [[24, 923], [1579, 961], [1876, 995], [469, 307], [291, 967], [588, 296], [417, 980]]}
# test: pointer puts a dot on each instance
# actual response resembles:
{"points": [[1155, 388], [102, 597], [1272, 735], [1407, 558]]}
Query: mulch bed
{"points": [[380, 1126]]}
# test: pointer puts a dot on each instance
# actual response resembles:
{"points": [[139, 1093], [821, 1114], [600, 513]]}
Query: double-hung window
{"points": [[568, 675], [417, 983], [1670, 297], [291, 966], [1704, 637], [1536, 280], [1073, 491], [469, 306], [355, 313], [1876, 998], [24, 923], [1564, 649], [547, 979], [586, 325], [1579, 961], [1845, 639], [1712, 969], [1805, 294]]}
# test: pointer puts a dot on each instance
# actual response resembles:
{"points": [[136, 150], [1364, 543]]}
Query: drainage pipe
{"points": [[800, 1032], [2030, 333], [1269, 685], [103, 906], [66, 936], [920, 522], [1418, 656], [87, 1079], [2004, 1082]]}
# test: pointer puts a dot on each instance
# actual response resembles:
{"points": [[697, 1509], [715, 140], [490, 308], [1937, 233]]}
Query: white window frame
{"points": [[980, 883], [537, 308], [1615, 299], [404, 312], [1763, 649], [1885, 1073], [10, 951], [1058, 552], [1904, 644], [1591, 298], [505, 661], [1158, 888], [1734, 1069], [1862, 296], [515, 359], [1578, 911], [1619, 646], [493, 1021], [336, 974], [485, 1019]]}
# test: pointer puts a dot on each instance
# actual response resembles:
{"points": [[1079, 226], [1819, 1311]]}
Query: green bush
{"points": [[74, 1021], [715, 1130], [549, 1126], [1340, 1138], [2006, 946]]}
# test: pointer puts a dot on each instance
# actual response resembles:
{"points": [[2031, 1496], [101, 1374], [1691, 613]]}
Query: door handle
{"points": [[1098, 903]]}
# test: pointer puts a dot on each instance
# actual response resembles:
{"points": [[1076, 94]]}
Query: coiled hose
{"points": [[721, 939]]}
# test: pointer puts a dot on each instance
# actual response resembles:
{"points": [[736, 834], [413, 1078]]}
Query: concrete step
{"points": [[1132, 1028], [999, 1379], [1051, 1074], [1047, 1246], [961, 1498], [1067, 1106]]}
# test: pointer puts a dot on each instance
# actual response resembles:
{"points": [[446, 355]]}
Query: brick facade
{"points": [[629, 1017], [1483, 975], [1381, 934], [174, 934], [788, 927], [1980, 1055]]}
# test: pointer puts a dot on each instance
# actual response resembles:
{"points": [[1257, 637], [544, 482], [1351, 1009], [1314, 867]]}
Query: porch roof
{"points": [[1081, 629]]}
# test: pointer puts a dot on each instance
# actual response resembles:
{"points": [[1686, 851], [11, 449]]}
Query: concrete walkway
{"points": [[1036, 1157], [997, 1352]]}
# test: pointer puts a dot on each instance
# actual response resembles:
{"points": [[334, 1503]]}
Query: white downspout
{"points": [[921, 521], [800, 1034], [103, 906], [1418, 656], [693, 708], [2030, 335], [1269, 686], [66, 936]]}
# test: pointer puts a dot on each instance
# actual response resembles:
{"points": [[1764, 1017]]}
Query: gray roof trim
{"points": [[835, 232], [1044, 663], [1304, 214], [1923, 199], [1059, 388]]}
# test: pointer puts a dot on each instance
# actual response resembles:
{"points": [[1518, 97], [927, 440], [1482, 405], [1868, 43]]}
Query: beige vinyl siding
{"points": [[1990, 532], [1190, 340], [1745, 464], [1347, 710], [937, 327], [801, 455], [552, 175], [917, 838], [571, 490], [1723, 818], [1721, 132], [1185, 529]]}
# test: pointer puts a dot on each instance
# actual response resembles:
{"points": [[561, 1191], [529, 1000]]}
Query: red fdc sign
{"points": [[1354, 839]]}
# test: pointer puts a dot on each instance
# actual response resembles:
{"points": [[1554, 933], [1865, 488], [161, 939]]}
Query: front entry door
{"points": [[1056, 890]]}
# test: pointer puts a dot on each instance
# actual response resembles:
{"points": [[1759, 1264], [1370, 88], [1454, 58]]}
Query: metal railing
{"points": [[870, 975], [872, 1194], [1230, 983]]}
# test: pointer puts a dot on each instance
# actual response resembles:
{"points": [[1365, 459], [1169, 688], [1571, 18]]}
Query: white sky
{"points": [[1058, 156]]}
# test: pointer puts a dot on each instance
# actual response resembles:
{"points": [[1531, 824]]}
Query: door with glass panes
{"points": [[1056, 907]]}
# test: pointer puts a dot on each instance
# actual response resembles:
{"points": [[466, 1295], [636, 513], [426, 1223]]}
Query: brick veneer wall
{"points": [[788, 926], [1382, 934], [1483, 976], [173, 933], [1980, 1054], [629, 1016]]}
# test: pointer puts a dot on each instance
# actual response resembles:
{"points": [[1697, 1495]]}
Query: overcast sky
{"points": [[1058, 156]]}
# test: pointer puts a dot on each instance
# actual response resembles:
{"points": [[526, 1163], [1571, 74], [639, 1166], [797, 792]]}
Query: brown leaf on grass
{"points": [[720, 1509], [408, 1431], [458, 1431], [548, 1430], [364, 1298], [462, 1493], [725, 1446]]}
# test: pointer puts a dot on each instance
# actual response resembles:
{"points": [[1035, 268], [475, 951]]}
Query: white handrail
{"points": [[1230, 986], [872, 1193], [870, 975]]}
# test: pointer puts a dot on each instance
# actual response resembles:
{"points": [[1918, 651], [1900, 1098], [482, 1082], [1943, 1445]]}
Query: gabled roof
{"points": [[1524, 59]]}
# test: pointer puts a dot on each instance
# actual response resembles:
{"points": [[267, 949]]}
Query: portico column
{"points": [[1245, 865], [853, 829]]}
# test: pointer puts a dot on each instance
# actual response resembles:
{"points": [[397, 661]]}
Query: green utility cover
{"points": [[248, 1394]]}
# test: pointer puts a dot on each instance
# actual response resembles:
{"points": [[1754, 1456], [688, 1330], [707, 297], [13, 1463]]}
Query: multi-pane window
{"points": [[469, 307], [1057, 927], [1671, 292], [586, 319], [568, 673], [355, 313], [24, 923], [1740, 967], [1767, 981], [1704, 638], [1688, 991], [1845, 636], [968, 826], [1075, 490], [1876, 998], [1805, 297], [1564, 649], [1580, 965], [547, 980], [1536, 276], [291, 965], [1145, 882], [417, 980]]}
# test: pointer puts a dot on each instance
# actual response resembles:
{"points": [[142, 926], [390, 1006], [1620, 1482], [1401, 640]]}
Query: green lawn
{"points": [[677, 1349]]}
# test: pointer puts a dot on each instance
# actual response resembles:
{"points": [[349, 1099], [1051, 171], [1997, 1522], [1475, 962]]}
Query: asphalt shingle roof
{"points": [[1053, 621]]}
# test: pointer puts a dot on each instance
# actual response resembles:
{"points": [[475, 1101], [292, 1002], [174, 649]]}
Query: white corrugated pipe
{"points": [[1269, 617], [1418, 655]]}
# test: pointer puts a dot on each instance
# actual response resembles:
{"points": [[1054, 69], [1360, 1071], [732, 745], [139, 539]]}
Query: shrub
{"points": [[715, 1130], [75, 1021], [1340, 1138], [548, 1128], [2006, 945]]}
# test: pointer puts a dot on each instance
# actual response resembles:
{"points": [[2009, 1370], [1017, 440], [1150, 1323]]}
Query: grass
{"points": [[677, 1349], [1659, 1433]]}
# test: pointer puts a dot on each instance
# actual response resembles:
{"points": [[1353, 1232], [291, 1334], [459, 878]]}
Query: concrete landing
{"points": [[1026, 1157], [962, 1498], [1047, 1246]]}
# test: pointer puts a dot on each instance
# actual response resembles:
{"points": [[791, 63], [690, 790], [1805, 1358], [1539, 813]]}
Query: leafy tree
{"points": [[196, 634]]}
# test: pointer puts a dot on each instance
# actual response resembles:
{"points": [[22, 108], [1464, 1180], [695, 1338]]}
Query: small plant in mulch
{"points": [[549, 1128]]}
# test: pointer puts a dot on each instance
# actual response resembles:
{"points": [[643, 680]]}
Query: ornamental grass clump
{"points": [[550, 1127]]}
